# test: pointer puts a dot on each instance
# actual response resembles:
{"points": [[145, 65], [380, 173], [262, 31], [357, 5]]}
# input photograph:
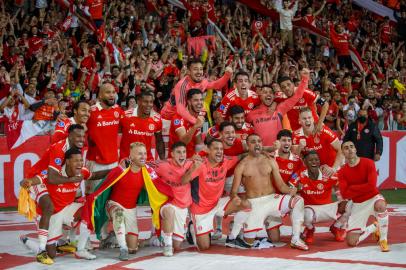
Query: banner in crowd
{"points": [[15, 163], [376, 8], [302, 24]]}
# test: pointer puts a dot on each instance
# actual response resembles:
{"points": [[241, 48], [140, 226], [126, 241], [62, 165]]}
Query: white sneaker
{"points": [[168, 251], [299, 244], [84, 254]]}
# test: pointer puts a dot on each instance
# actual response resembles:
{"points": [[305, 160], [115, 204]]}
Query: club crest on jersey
{"points": [[58, 161], [251, 105], [44, 172], [320, 186], [290, 165], [301, 100], [151, 126], [116, 114], [258, 24], [222, 107], [366, 130], [176, 122], [61, 124], [316, 139]]}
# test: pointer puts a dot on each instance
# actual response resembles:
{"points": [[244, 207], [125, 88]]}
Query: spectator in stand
{"points": [[286, 15], [366, 137], [341, 43], [401, 118]]}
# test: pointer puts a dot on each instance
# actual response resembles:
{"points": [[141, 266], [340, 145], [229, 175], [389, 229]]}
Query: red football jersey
{"points": [[176, 123], [358, 183], [214, 132], [287, 168], [246, 130], [126, 190], [209, 186], [102, 134], [307, 100], [64, 194], [315, 192], [171, 174], [61, 129], [321, 143], [53, 157], [137, 129], [233, 98]]}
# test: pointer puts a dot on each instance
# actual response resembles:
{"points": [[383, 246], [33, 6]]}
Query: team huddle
{"points": [[249, 164]]}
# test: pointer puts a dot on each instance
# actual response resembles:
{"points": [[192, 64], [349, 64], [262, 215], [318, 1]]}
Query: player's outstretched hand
{"points": [[305, 73], [229, 69]]}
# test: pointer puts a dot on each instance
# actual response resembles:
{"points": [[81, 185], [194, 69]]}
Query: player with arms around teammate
{"points": [[357, 181], [316, 189], [50, 164], [255, 172], [207, 180]]}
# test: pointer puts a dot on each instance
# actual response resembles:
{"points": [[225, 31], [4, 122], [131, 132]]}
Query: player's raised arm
{"points": [[288, 104]]}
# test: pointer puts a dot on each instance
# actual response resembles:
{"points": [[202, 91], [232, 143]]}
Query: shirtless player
{"points": [[255, 172]]}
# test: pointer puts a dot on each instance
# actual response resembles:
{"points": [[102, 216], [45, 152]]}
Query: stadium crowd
{"points": [[217, 78]]}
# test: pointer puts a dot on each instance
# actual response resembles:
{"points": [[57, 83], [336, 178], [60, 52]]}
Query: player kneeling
{"points": [[255, 172], [316, 189], [207, 181], [357, 181], [174, 212], [66, 211]]}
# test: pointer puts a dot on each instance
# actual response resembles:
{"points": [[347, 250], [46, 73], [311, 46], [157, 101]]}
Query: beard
{"points": [[108, 102]]}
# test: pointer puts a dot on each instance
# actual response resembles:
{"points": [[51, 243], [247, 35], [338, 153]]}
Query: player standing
{"points": [[185, 131], [103, 128], [194, 80], [142, 124], [81, 114]]}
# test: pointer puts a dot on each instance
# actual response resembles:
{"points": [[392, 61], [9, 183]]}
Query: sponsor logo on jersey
{"points": [[58, 161], [140, 133], [99, 116], [107, 123]]}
